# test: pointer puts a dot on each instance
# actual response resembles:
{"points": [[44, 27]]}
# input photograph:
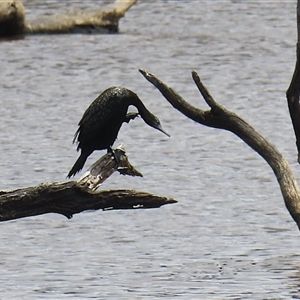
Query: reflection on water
{"points": [[230, 235]]}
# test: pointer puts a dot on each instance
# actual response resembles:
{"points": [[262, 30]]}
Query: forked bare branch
{"points": [[220, 117]]}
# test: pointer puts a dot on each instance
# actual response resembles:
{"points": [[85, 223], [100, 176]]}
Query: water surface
{"points": [[230, 235]]}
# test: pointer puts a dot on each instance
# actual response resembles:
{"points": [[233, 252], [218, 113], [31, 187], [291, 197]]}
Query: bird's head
{"points": [[154, 122], [146, 115]]}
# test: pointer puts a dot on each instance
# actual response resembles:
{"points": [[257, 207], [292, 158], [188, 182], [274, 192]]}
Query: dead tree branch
{"points": [[71, 197], [220, 117]]}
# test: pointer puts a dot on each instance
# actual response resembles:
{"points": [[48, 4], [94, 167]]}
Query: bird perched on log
{"points": [[101, 122]]}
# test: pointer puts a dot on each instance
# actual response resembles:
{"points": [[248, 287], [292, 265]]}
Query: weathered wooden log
{"points": [[79, 21], [219, 117], [71, 197], [103, 20]]}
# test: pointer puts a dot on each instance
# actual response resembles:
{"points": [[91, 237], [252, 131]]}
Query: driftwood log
{"points": [[102, 20], [71, 197], [219, 117]]}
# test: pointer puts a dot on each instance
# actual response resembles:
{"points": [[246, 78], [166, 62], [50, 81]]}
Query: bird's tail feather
{"points": [[78, 164]]}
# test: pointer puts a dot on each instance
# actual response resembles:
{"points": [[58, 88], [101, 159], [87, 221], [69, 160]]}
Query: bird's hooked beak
{"points": [[150, 119], [158, 127]]}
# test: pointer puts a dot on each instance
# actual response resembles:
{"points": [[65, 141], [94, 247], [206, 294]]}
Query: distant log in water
{"points": [[102, 20]]}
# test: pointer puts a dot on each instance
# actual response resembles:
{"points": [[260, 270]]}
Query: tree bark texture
{"points": [[219, 117], [106, 166], [69, 198]]}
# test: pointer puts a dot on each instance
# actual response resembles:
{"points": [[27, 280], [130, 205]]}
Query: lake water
{"points": [[230, 235]]}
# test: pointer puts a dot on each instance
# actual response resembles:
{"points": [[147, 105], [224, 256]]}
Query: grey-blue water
{"points": [[230, 235]]}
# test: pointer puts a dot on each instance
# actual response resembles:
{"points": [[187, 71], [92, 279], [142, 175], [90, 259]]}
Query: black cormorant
{"points": [[101, 122]]}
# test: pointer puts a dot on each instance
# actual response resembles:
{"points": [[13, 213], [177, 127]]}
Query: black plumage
{"points": [[101, 122]]}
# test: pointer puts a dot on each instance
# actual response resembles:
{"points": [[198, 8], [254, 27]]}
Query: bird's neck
{"points": [[143, 111]]}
